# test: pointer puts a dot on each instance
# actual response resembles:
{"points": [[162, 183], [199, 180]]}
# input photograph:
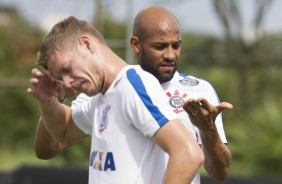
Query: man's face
{"points": [[159, 53], [76, 69]]}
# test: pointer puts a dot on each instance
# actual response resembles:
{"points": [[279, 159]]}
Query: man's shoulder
{"points": [[135, 72]]}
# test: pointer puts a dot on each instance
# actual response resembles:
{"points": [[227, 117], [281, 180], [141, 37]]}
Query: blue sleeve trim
{"points": [[140, 89]]}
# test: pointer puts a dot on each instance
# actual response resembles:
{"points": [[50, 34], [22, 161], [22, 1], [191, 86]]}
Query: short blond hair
{"points": [[65, 31]]}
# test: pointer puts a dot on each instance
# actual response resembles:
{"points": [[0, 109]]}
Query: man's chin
{"points": [[165, 78]]}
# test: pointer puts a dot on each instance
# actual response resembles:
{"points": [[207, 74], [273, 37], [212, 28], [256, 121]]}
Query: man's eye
{"points": [[176, 46], [65, 70], [159, 47]]}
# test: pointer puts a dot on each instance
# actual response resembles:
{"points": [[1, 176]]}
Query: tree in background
{"points": [[19, 113], [103, 21], [246, 72], [18, 46], [254, 135], [255, 141], [242, 43]]}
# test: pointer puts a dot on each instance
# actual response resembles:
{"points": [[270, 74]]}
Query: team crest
{"points": [[189, 82], [104, 121], [176, 101]]}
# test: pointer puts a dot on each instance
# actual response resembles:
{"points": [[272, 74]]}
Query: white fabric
{"points": [[121, 123], [179, 89]]}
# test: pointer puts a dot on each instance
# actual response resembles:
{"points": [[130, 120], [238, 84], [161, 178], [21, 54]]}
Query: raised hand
{"points": [[202, 114], [43, 85]]}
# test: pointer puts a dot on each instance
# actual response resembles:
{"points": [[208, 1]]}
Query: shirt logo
{"points": [[176, 101], [102, 161], [189, 82], [104, 121]]}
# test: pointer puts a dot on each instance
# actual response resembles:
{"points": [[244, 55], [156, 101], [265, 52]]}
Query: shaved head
{"points": [[154, 20], [156, 41]]}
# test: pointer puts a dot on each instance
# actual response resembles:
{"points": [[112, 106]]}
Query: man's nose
{"points": [[67, 81], [170, 54]]}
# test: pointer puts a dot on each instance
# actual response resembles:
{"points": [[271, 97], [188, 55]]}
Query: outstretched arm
{"points": [[217, 155]]}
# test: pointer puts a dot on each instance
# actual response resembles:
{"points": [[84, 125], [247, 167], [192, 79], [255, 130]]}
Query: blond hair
{"points": [[64, 32]]}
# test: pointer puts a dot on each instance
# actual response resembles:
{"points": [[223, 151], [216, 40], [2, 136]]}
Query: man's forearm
{"points": [[176, 171], [55, 116], [217, 155], [46, 147]]}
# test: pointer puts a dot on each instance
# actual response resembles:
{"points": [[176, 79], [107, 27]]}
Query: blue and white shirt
{"points": [[121, 123], [178, 90], [182, 87]]}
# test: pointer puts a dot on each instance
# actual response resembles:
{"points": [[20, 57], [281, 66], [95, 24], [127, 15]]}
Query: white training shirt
{"points": [[121, 123], [178, 90], [182, 87]]}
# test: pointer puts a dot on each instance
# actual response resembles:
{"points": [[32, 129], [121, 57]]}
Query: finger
{"points": [[34, 81], [224, 105], [36, 73], [189, 104], [30, 91], [189, 107], [48, 74], [215, 109], [205, 104], [196, 105]]}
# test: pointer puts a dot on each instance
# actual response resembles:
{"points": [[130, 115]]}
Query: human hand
{"points": [[43, 85], [202, 114]]}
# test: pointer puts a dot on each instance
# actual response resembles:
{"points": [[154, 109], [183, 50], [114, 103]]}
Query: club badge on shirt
{"points": [[189, 82], [104, 121], [176, 101]]}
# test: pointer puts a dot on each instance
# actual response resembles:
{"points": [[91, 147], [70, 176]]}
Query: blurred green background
{"points": [[245, 72]]}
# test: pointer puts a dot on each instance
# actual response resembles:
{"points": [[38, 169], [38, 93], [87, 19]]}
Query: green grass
{"points": [[11, 160]]}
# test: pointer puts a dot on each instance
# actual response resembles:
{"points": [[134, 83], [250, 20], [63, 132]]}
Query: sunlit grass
{"points": [[11, 160]]}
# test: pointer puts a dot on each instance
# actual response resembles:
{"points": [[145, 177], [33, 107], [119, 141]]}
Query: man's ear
{"points": [[135, 44], [85, 41]]}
